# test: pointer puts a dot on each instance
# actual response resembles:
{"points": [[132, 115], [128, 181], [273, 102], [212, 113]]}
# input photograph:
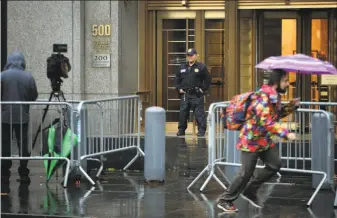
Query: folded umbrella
{"points": [[298, 63], [69, 140]]}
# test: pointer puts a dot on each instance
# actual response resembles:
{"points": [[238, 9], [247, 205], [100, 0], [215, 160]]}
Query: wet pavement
{"points": [[124, 194]]}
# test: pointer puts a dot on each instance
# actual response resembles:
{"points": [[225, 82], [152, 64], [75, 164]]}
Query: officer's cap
{"points": [[191, 52]]}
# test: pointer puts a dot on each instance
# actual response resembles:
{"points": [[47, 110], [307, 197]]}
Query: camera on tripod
{"points": [[58, 66]]}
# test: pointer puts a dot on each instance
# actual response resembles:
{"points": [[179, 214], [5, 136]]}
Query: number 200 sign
{"points": [[101, 30]]}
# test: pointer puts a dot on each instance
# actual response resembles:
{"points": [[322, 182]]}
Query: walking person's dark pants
{"points": [[21, 133], [247, 171], [195, 103]]}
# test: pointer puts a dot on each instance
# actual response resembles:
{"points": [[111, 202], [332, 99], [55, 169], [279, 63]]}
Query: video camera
{"points": [[58, 66]]}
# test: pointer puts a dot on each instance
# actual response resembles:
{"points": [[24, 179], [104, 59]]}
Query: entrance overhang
{"points": [[285, 4]]}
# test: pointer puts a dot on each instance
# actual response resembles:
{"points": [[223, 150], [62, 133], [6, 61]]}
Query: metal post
{"points": [[154, 162], [233, 155], [322, 147]]}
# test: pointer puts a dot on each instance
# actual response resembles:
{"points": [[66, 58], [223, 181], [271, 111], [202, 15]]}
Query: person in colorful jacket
{"points": [[256, 140]]}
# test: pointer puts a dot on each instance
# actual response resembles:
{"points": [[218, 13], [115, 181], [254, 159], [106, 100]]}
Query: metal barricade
{"points": [[218, 154], [24, 126], [109, 125]]}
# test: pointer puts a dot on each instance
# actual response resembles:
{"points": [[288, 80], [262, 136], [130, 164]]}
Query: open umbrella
{"points": [[69, 139], [298, 63]]}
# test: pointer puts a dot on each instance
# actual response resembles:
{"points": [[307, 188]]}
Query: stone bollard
{"points": [[322, 148], [154, 161]]}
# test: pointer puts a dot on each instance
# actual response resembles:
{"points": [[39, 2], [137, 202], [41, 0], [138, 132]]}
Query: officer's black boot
{"points": [[180, 133]]}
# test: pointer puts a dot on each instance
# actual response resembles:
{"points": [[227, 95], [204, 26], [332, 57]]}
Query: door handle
{"points": [[217, 83]]}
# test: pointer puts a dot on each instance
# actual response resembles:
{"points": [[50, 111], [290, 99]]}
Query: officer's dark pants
{"points": [[21, 133], [247, 171], [196, 104]]}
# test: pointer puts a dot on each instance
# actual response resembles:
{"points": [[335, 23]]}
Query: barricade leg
{"points": [[100, 168], [211, 175], [319, 185], [139, 154], [221, 172], [215, 177], [86, 175], [132, 161], [207, 180], [65, 182], [198, 177], [219, 181], [335, 203]]}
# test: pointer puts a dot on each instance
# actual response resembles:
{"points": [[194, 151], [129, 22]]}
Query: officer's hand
{"points": [[181, 91]]}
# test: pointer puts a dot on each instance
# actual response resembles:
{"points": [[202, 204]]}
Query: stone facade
{"points": [[34, 26]]}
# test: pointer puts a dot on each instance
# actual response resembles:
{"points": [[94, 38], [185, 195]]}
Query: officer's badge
{"points": [[196, 70], [189, 50]]}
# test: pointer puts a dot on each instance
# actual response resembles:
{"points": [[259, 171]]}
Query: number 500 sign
{"points": [[101, 30]]}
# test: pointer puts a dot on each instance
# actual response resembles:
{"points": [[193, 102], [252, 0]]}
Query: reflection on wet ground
{"points": [[122, 194]]}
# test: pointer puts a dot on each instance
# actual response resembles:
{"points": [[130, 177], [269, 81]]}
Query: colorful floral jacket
{"points": [[262, 125]]}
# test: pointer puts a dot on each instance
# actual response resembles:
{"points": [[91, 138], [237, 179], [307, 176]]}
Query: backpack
{"points": [[234, 115]]}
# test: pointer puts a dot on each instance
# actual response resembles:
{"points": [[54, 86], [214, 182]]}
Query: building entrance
{"points": [[309, 32], [176, 32]]}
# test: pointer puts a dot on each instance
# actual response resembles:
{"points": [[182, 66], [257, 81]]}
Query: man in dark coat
{"points": [[16, 85]]}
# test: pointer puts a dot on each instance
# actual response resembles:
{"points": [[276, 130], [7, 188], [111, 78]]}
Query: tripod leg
{"points": [[43, 117], [64, 110]]}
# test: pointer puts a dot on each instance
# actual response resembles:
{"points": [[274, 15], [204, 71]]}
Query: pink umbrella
{"points": [[298, 63]]}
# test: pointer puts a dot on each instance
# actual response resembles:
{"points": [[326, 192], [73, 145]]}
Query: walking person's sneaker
{"points": [[227, 206], [252, 198]]}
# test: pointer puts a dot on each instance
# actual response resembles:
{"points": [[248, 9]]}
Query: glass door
{"points": [[215, 58], [287, 33], [175, 34], [319, 49], [278, 35]]}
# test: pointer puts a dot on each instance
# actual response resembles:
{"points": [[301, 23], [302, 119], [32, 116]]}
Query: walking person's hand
{"points": [[181, 91], [296, 101], [291, 136]]}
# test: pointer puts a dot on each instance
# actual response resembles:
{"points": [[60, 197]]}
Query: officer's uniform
{"points": [[195, 81]]}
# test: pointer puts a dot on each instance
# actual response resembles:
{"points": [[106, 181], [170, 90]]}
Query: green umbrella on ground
{"points": [[69, 140]]}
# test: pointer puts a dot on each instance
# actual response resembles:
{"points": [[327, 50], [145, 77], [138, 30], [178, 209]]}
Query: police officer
{"points": [[192, 81]]}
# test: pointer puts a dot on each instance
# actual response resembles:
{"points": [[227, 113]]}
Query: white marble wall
{"points": [[34, 26], [102, 82], [128, 74]]}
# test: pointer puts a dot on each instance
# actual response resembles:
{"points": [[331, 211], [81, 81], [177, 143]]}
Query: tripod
{"points": [[56, 93]]}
